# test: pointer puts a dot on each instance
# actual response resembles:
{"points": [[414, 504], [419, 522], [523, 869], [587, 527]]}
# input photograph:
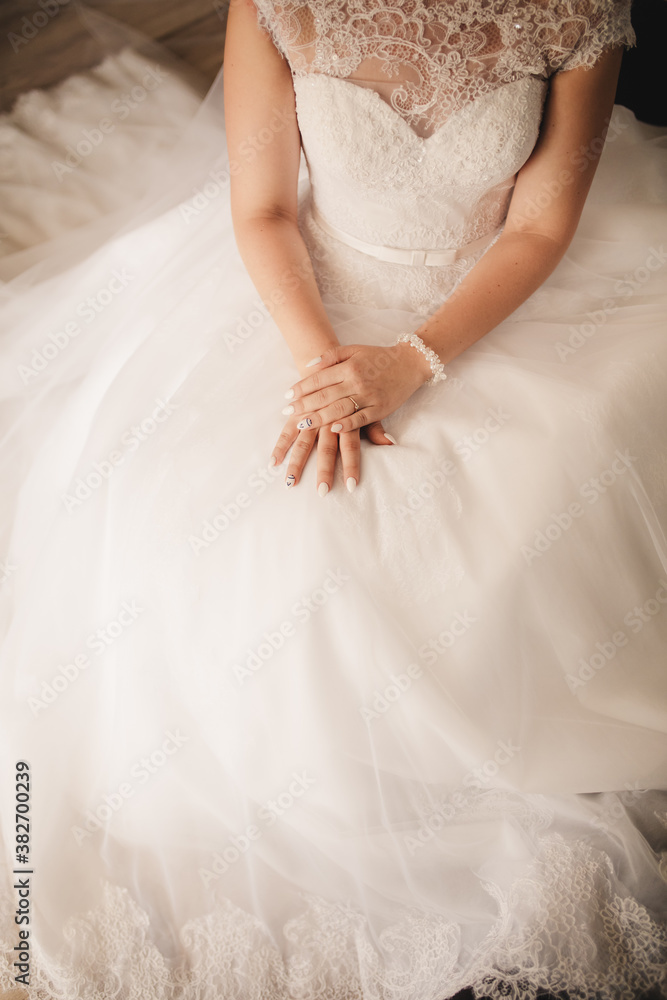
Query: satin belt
{"points": [[397, 255]]}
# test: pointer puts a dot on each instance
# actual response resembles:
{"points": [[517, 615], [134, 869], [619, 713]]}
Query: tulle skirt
{"points": [[383, 745]]}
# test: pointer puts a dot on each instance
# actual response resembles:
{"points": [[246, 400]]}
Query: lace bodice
{"points": [[428, 58], [415, 117]]}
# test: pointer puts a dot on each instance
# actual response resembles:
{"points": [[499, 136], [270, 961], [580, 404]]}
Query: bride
{"points": [[364, 698]]}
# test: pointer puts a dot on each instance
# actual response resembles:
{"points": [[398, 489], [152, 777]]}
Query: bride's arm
{"points": [[576, 113], [264, 147], [532, 243]]}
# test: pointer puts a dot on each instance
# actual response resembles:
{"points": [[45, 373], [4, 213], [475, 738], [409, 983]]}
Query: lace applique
{"points": [[570, 896], [566, 924], [372, 177], [428, 59], [346, 275]]}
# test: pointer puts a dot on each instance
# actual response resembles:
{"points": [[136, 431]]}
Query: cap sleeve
{"points": [[268, 20], [605, 25]]}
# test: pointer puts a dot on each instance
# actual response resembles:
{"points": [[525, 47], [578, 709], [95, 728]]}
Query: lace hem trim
{"points": [[579, 932]]}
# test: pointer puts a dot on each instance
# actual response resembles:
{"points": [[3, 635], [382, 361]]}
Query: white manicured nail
{"points": [[272, 461], [336, 427], [323, 489], [290, 481], [351, 484], [304, 424], [390, 438], [315, 361], [288, 411], [289, 394]]}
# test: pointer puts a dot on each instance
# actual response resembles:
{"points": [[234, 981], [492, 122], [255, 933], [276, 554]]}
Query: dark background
{"points": [[642, 85]]}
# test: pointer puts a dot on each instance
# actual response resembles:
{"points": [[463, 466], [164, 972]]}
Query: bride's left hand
{"points": [[378, 379]]}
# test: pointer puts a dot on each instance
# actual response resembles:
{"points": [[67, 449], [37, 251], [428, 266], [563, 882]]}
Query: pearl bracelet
{"points": [[434, 361]]}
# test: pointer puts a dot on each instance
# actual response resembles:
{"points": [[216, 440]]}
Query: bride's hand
{"points": [[377, 379], [328, 446]]}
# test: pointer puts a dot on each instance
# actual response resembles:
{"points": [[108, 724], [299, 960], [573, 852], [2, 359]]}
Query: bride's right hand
{"points": [[328, 446]]}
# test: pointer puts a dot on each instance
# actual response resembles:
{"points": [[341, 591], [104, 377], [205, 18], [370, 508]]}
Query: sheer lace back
{"points": [[428, 58]]}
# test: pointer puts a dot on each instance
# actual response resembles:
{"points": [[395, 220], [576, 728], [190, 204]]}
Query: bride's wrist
{"points": [[316, 348], [420, 359], [414, 364]]}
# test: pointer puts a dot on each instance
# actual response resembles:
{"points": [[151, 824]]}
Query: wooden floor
{"points": [[44, 41]]}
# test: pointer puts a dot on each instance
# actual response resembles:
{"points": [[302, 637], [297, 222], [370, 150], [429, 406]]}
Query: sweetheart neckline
{"points": [[394, 115]]}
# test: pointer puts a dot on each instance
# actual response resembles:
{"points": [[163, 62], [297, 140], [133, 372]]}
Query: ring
{"points": [[354, 403]]}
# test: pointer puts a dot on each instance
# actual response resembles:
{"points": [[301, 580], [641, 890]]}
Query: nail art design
{"points": [[287, 411], [289, 394], [290, 481], [304, 424], [315, 361], [323, 489], [336, 427], [351, 484]]}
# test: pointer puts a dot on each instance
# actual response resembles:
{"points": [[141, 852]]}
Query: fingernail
{"points": [[390, 438], [323, 489], [287, 411], [290, 481], [315, 361], [336, 427], [304, 424], [272, 461], [289, 394], [351, 484]]}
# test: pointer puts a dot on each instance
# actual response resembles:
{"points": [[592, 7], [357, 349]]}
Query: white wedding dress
{"points": [[393, 744]]}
